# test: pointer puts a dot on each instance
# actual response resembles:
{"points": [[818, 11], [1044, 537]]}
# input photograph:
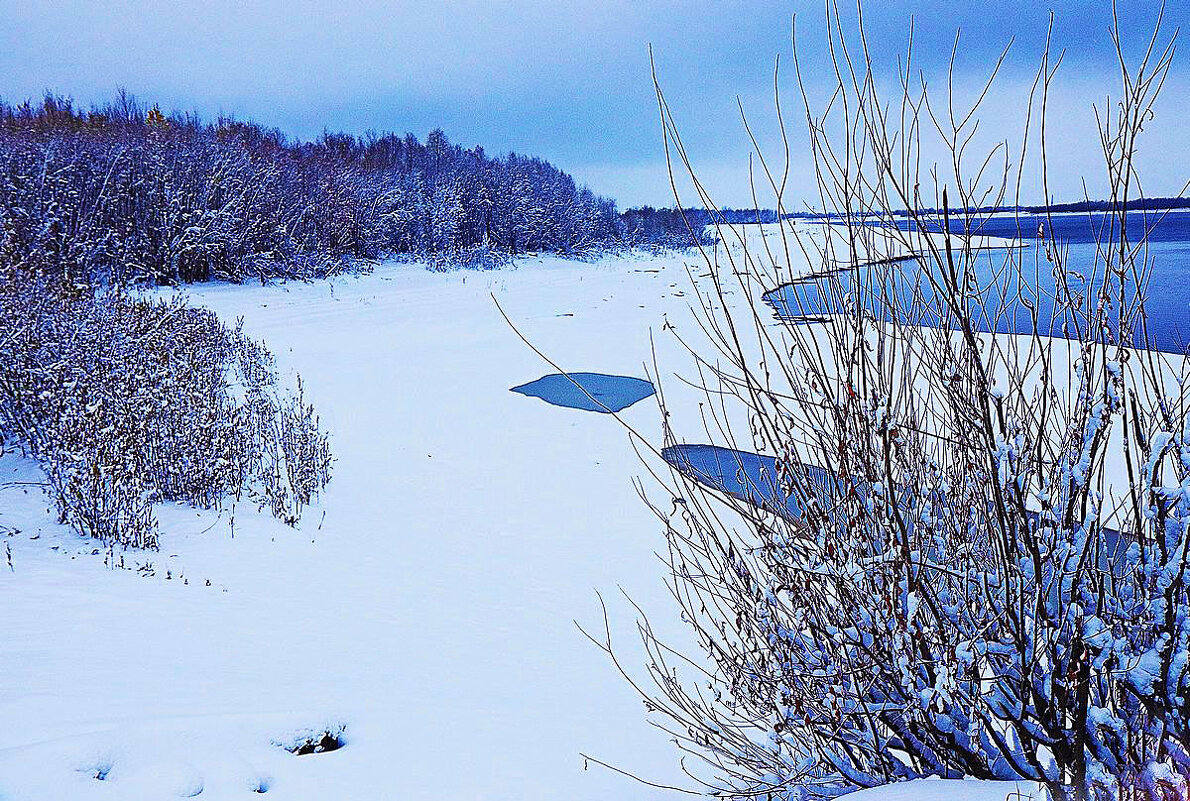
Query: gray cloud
{"points": [[567, 81]]}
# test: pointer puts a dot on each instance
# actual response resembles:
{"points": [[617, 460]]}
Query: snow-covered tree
{"points": [[124, 194]]}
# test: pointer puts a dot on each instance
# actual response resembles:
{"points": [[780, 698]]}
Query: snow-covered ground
{"points": [[431, 612], [425, 607]]}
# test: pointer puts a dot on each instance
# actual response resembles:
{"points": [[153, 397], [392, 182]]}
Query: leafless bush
{"points": [[993, 585], [292, 455], [126, 402]]}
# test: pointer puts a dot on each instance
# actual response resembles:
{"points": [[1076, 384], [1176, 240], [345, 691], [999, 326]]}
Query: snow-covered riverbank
{"points": [[430, 612], [426, 606]]}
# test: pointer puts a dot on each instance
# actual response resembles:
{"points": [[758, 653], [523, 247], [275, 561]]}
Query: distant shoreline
{"points": [[1081, 207]]}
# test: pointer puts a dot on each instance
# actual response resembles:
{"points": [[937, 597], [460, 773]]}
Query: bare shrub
{"points": [[994, 585], [126, 402], [292, 456]]}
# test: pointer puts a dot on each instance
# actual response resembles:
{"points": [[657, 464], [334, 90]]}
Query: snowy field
{"points": [[424, 609]]}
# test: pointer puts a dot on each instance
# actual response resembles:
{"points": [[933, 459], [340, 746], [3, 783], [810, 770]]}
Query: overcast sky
{"points": [[568, 81]]}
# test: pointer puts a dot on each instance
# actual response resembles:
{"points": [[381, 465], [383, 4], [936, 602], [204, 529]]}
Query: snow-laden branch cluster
{"points": [[126, 403], [992, 582]]}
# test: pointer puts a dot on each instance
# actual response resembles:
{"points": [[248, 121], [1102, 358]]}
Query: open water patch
{"points": [[1002, 299], [751, 477], [755, 479], [592, 392]]}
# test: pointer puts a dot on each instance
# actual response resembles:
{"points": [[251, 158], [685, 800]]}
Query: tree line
{"points": [[677, 228], [123, 193]]}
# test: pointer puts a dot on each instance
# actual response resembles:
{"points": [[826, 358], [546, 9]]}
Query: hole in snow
{"points": [[313, 741], [327, 742], [193, 791], [98, 770]]}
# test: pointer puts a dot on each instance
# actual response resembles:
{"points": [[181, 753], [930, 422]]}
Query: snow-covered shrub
{"points": [[126, 402], [479, 257], [994, 584], [291, 455]]}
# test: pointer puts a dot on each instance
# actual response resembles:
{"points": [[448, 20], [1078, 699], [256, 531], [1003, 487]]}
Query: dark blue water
{"points": [[1073, 228], [592, 392], [751, 477], [1061, 304]]}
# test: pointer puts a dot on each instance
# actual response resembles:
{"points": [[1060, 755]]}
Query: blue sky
{"points": [[565, 80]]}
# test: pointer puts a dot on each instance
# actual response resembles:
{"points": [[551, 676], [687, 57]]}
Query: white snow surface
{"points": [[425, 606], [951, 790], [430, 612]]}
